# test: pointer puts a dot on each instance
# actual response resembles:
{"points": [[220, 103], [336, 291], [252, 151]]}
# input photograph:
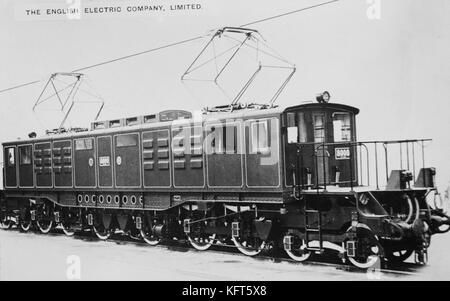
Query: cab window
{"points": [[319, 127], [126, 140], [11, 159], [341, 127], [296, 129], [25, 155]]}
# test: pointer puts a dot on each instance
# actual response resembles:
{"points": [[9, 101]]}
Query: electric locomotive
{"points": [[254, 176]]}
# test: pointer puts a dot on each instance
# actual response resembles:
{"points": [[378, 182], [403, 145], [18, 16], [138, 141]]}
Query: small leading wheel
{"points": [[298, 251], [44, 225], [102, 232], [249, 246], [399, 255], [202, 242], [368, 249]]}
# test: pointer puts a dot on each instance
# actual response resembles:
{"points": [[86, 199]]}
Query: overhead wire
{"points": [[173, 44]]}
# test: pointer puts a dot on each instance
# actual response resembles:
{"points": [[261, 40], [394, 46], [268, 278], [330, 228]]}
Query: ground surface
{"points": [[32, 256]]}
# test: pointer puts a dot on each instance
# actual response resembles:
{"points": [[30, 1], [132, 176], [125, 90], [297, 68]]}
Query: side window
{"points": [[126, 140], [224, 139], [216, 140], [25, 155], [259, 137], [84, 144], [341, 127], [297, 128], [303, 137], [11, 158], [319, 127]]}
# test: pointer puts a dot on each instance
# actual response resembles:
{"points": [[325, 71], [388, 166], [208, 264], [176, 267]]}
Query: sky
{"points": [[396, 68]]}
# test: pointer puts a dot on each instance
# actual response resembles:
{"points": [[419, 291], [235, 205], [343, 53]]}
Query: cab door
{"points": [[322, 156], [10, 155]]}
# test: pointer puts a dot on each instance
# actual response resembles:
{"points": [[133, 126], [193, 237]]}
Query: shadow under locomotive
{"points": [[256, 177]]}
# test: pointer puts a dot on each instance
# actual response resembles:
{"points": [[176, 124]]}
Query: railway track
{"points": [[405, 269]]}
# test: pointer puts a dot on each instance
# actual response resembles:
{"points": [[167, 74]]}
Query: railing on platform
{"points": [[360, 154]]}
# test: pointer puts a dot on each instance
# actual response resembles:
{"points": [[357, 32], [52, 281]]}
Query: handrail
{"points": [[356, 149], [355, 143]]}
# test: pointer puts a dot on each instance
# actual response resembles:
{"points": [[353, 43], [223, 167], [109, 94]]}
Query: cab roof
{"points": [[322, 106]]}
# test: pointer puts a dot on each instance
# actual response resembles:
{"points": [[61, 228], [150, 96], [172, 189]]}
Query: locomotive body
{"points": [[257, 177]]}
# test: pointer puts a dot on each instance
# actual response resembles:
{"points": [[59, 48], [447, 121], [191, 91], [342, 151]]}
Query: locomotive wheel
{"points": [[149, 238], [369, 246], [25, 225], [399, 256], [45, 218], [102, 233], [298, 251], [147, 233], [45, 225], [202, 243], [6, 224], [249, 247], [67, 230]]}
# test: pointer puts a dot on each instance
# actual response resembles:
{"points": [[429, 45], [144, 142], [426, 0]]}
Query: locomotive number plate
{"points": [[342, 153], [104, 161]]}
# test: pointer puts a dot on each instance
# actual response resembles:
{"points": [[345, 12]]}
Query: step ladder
{"points": [[310, 230]]}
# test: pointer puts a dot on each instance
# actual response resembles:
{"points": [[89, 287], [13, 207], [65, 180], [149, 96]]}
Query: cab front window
{"points": [[342, 127]]}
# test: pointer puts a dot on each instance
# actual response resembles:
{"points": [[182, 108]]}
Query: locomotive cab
{"points": [[318, 153]]}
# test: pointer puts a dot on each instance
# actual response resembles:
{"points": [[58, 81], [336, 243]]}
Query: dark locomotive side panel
{"points": [[187, 156], [127, 161], [155, 158], [26, 175], [43, 165], [262, 155], [62, 163], [10, 159], [104, 157], [224, 155], [84, 162]]}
